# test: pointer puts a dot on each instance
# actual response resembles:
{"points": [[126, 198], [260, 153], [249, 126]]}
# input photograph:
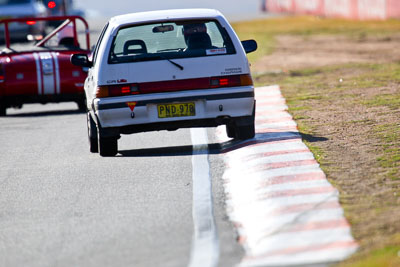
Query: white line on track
{"points": [[205, 246]]}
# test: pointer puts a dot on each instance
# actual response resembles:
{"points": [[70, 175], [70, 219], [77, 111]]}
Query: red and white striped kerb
{"points": [[285, 210]]}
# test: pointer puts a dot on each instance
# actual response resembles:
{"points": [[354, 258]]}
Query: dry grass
{"points": [[354, 105]]}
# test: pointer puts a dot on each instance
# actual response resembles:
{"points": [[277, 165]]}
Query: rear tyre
{"points": [[108, 146], [92, 134], [230, 131], [3, 109], [245, 132]]}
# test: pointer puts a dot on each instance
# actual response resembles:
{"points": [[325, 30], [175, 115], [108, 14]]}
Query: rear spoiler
{"points": [[68, 19]]}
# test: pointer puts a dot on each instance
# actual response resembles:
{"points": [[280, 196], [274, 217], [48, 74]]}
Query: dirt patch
{"points": [[298, 52], [347, 90]]}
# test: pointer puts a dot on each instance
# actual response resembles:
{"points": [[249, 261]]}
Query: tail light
{"points": [[102, 91], [1, 73], [117, 90], [125, 89], [231, 81], [246, 80], [173, 86]]}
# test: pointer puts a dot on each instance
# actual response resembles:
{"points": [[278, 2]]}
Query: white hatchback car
{"points": [[164, 70]]}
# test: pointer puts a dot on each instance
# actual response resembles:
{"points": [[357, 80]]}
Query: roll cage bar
{"points": [[67, 20]]}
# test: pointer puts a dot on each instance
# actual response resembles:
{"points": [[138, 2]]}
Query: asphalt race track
{"points": [[60, 205]]}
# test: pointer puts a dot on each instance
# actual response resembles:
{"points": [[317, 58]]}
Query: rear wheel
{"points": [[230, 131], [3, 109], [108, 146], [245, 132], [107, 142], [92, 134]]}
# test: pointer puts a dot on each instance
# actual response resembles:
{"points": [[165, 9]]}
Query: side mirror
{"points": [[249, 46], [81, 60]]}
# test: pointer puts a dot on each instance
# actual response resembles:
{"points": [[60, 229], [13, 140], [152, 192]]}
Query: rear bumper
{"points": [[213, 107]]}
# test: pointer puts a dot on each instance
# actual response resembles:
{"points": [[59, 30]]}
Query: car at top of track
{"points": [[42, 72], [18, 9], [62, 8], [164, 70]]}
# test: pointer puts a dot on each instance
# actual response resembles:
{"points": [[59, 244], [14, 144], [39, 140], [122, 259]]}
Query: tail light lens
{"points": [[117, 90], [231, 81], [246, 80], [102, 91], [175, 85], [1, 73]]}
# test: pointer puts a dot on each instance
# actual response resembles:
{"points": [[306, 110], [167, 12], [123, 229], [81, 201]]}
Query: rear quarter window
{"points": [[179, 39]]}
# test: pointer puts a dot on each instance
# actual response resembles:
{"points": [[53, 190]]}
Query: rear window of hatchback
{"points": [[170, 40]]}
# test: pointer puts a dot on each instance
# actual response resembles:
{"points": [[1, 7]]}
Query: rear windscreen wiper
{"points": [[147, 57], [172, 62]]}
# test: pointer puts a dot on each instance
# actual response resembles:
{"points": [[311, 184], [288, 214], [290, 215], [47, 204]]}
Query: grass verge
{"points": [[265, 30], [355, 107]]}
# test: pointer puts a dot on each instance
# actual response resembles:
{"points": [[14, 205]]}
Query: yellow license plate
{"points": [[176, 110]]}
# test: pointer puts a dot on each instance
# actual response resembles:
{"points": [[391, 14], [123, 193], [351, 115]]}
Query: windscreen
{"points": [[169, 40]]}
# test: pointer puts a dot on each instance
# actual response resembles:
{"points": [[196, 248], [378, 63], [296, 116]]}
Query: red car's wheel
{"points": [[81, 105], [3, 109]]}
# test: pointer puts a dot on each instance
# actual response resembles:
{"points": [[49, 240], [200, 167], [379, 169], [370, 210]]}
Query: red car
{"points": [[43, 73]]}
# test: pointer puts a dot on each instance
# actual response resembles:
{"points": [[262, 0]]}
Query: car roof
{"points": [[169, 14]]}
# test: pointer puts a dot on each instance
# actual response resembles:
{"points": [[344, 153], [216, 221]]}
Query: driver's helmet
{"points": [[193, 28], [66, 36]]}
